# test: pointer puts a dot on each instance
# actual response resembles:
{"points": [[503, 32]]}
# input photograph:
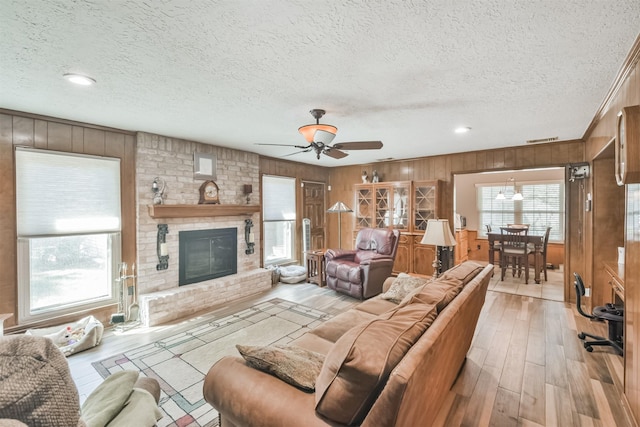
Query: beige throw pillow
{"points": [[402, 286], [106, 401], [294, 365]]}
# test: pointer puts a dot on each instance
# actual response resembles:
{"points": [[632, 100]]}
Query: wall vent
{"points": [[539, 141]]}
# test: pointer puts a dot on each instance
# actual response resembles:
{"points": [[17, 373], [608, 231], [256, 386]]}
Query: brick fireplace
{"points": [[161, 298]]}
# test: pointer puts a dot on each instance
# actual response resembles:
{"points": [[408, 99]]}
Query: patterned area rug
{"points": [[180, 362]]}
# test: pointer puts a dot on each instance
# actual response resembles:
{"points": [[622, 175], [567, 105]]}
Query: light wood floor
{"points": [[526, 366]]}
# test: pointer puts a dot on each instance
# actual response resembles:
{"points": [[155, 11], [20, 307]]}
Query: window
{"points": [[279, 218], [68, 218], [543, 206]]}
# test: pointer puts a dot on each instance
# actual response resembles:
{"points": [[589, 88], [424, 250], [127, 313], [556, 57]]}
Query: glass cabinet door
{"points": [[401, 198], [383, 206], [425, 203], [364, 206]]}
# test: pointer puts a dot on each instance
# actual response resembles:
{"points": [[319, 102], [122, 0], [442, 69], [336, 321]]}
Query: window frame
{"points": [[113, 233], [517, 206], [287, 216]]}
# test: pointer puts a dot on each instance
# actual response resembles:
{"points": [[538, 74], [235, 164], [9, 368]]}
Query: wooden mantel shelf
{"points": [[192, 211]]}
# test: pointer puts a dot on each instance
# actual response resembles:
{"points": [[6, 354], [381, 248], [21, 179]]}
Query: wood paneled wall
{"points": [[22, 129], [444, 167], [605, 228]]}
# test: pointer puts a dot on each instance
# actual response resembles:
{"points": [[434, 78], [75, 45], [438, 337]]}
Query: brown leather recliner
{"points": [[361, 272]]}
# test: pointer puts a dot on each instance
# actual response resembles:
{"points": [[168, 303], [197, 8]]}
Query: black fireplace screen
{"points": [[207, 254]]}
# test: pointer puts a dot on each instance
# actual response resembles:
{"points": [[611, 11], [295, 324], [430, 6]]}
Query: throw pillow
{"points": [[358, 365], [294, 365], [401, 286], [106, 401]]}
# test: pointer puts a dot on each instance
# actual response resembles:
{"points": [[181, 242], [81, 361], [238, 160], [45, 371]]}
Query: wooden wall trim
{"points": [[626, 69], [65, 121]]}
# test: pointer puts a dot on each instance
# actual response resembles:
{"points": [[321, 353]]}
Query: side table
{"points": [[315, 267]]}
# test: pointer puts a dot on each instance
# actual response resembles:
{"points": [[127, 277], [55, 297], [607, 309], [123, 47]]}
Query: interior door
{"points": [[314, 209]]}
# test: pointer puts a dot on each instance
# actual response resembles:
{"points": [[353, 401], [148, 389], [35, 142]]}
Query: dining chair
{"points": [[496, 245], [543, 254], [514, 251]]}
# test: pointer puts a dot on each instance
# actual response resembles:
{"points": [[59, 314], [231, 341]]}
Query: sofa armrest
{"points": [[339, 254], [247, 396]]}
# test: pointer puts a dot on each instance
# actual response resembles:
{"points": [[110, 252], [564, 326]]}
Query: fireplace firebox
{"points": [[207, 254]]}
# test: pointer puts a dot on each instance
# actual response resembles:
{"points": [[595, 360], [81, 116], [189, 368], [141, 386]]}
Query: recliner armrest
{"points": [[376, 259], [339, 254]]}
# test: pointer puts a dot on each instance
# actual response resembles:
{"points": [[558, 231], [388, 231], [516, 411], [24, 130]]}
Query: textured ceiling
{"points": [[236, 73]]}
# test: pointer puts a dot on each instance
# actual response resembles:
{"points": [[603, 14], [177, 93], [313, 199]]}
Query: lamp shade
{"points": [[438, 233], [339, 207], [309, 131]]}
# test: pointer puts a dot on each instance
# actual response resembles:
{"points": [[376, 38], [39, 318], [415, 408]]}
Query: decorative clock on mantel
{"points": [[209, 193], [627, 145]]}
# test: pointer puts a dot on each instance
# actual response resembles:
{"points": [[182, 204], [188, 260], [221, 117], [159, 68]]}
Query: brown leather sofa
{"points": [[362, 271], [409, 393]]}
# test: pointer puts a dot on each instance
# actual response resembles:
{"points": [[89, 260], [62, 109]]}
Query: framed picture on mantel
{"points": [[204, 166]]}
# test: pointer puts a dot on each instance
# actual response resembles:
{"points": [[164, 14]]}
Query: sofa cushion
{"points": [[294, 365], [313, 343], [358, 365], [445, 288], [440, 293], [464, 272], [335, 327], [402, 286], [376, 306]]}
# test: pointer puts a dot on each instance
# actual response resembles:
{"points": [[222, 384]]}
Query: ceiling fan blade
{"points": [[358, 145], [335, 153], [323, 136], [297, 152], [302, 147]]}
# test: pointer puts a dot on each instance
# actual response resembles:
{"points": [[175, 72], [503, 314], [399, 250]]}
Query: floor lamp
{"points": [[339, 207], [438, 234]]}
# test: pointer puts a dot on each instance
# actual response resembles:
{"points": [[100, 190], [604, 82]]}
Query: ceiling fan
{"points": [[319, 137]]}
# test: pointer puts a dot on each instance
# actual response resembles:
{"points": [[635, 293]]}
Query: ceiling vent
{"points": [[539, 141]]}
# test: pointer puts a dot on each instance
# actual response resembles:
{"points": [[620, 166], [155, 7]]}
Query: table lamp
{"points": [[438, 234]]}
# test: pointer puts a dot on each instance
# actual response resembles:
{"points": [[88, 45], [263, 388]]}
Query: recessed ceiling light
{"points": [[462, 129], [79, 79]]}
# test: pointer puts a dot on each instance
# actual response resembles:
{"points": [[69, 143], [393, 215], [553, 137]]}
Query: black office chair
{"points": [[613, 314]]}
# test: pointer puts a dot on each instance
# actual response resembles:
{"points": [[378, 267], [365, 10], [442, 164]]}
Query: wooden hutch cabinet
{"points": [[404, 206]]}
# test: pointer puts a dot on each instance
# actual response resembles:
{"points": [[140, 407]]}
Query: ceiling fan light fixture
{"points": [[309, 131], [324, 137]]}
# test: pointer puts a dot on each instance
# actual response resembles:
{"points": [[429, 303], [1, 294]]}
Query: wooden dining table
{"points": [[536, 241]]}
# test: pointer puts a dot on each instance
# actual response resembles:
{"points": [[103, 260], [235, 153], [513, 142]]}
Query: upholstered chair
{"points": [[362, 271]]}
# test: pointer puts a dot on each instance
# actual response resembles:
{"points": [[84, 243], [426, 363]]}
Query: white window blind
{"points": [[65, 194], [279, 198], [495, 213], [542, 207]]}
